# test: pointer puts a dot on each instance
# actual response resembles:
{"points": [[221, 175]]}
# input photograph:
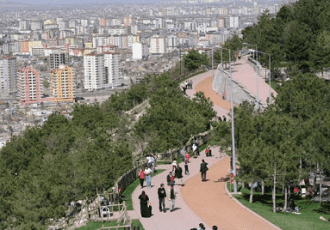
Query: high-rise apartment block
{"points": [[102, 70], [234, 22], [94, 71], [8, 73], [57, 59], [62, 84], [29, 91], [157, 45]]}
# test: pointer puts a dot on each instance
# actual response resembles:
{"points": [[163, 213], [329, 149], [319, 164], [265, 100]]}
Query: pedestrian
{"points": [[144, 205], [150, 208], [182, 153], [201, 226], [214, 227], [186, 169], [174, 166], [220, 118], [142, 176], [203, 170], [161, 197], [183, 85], [224, 118], [178, 174], [187, 157], [148, 173], [168, 178], [152, 162], [194, 147], [172, 197]]}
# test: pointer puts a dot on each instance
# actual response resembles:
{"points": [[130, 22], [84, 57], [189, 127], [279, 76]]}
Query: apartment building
{"points": [[57, 59], [28, 81], [157, 45], [102, 70], [94, 71], [62, 84], [8, 81]]}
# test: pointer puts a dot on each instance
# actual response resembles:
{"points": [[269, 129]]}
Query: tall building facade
{"points": [[29, 90], [102, 70], [157, 45], [62, 84], [94, 71], [57, 59], [234, 22], [8, 74]]}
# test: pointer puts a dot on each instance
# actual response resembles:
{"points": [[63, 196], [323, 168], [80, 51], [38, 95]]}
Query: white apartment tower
{"points": [[234, 22], [102, 70], [157, 45], [8, 74], [94, 71]]}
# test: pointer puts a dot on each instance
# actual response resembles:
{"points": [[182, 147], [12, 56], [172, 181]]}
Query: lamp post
{"points": [[256, 51], [270, 74], [212, 65], [232, 120]]}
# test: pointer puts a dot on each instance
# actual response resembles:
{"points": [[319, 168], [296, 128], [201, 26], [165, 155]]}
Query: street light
{"points": [[232, 120], [270, 74], [256, 51]]}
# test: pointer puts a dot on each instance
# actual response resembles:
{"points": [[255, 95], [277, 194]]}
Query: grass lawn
{"points": [[98, 225], [127, 193], [274, 84], [308, 219]]}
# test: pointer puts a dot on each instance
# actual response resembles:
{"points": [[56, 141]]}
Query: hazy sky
{"points": [[83, 1], [86, 1]]}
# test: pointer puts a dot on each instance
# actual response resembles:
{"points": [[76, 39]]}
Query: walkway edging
{"points": [[249, 210]]}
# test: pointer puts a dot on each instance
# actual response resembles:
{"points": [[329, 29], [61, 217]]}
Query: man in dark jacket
{"points": [[161, 197], [203, 170]]}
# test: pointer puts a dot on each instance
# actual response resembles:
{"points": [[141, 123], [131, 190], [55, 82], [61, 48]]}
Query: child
{"points": [[186, 170]]}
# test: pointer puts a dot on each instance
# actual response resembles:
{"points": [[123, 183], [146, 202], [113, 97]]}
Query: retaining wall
{"points": [[221, 83]]}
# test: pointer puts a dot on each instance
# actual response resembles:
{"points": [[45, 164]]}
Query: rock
{"points": [[324, 219]]}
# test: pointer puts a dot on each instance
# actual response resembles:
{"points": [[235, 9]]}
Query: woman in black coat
{"points": [[144, 199]]}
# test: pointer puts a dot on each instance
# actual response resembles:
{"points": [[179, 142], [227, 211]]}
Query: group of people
{"points": [[175, 173], [202, 227], [145, 205], [223, 118]]}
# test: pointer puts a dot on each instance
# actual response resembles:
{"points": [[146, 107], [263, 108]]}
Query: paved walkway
{"points": [[203, 83], [183, 218], [197, 201]]}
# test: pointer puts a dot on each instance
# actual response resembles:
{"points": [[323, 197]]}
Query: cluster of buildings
{"points": [[98, 36]]}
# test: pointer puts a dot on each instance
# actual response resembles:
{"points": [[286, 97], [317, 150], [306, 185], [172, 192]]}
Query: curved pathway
{"points": [[213, 204], [197, 201]]}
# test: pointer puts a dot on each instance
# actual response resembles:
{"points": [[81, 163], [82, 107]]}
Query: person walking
{"points": [[148, 173], [194, 147], [187, 157], [161, 197], [183, 85], [224, 118], [172, 197], [142, 176], [201, 226], [214, 227], [144, 209], [203, 170], [186, 169], [174, 166], [178, 174], [170, 178]]}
